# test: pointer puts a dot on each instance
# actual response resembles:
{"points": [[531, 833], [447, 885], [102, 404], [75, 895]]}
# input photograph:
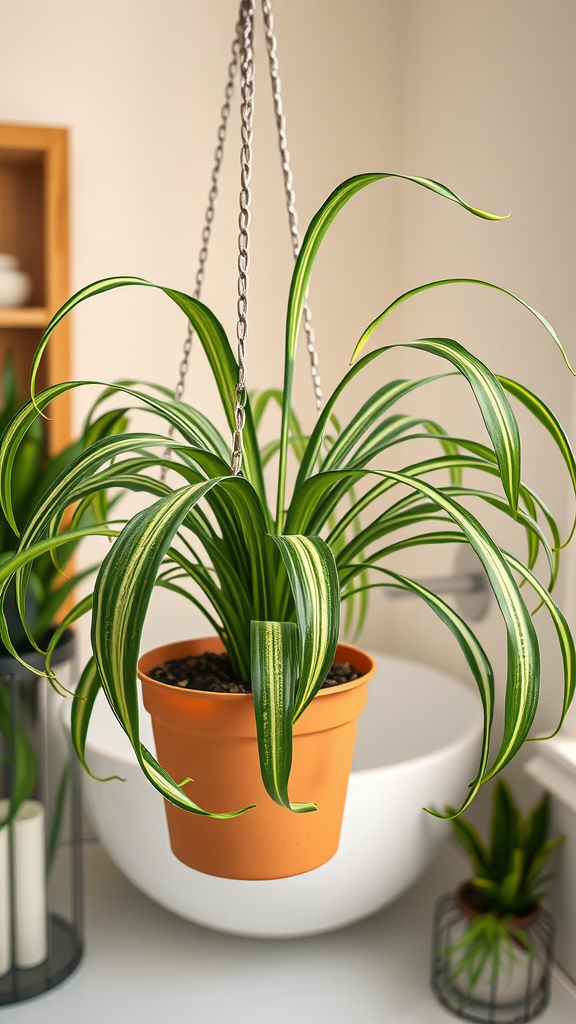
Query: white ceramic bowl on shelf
{"points": [[15, 285], [418, 745]]}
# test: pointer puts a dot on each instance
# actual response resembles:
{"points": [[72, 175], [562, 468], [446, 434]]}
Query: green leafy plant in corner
{"points": [[33, 473], [269, 572], [509, 872]]}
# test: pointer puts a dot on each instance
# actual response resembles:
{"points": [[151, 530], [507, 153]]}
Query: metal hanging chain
{"points": [[271, 46], [247, 112], [242, 50], [208, 222]]}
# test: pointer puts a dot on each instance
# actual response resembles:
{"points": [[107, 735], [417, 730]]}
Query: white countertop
{"points": [[143, 964]]}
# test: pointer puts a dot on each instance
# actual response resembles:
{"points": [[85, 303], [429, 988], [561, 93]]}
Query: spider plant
{"points": [[505, 889], [270, 584], [34, 471], [508, 871]]}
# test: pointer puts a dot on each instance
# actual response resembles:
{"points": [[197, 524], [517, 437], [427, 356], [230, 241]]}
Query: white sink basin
{"points": [[418, 745]]}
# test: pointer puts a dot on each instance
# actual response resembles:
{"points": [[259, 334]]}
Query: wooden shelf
{"points": [[24, 316], [34, 228]]}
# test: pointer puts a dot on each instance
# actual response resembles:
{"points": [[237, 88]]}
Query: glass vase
{"points": [[41, 923]]}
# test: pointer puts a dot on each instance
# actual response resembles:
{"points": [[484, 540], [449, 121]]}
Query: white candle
{"points": [[5, 903], [30, 906]]}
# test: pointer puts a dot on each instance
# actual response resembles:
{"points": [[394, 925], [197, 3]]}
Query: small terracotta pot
{"points": [[211, 737], [465, 902]]}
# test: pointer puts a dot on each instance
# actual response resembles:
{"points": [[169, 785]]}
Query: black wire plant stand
{"points": [[521, 991]]}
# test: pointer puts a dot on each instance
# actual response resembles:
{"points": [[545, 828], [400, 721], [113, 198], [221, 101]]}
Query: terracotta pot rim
{"points": [[210, 695], [524, 921]]}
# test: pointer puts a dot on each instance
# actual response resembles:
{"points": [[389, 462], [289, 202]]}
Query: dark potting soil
{"points": [[213, 672]]}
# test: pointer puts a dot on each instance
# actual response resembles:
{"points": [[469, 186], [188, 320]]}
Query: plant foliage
{"points": [[270, 584], [509, 872], [33, 472], [509, 869]]}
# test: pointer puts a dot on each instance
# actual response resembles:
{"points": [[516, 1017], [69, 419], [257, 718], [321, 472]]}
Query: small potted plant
{"points": [[273, 754], [40, 928], [493, 939], [50, 585]]}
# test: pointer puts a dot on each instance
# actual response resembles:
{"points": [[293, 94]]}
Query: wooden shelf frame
{"points": [[34, 225]]}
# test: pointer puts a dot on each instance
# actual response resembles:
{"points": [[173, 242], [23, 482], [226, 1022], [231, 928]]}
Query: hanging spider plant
{"points": [[273, 583]]}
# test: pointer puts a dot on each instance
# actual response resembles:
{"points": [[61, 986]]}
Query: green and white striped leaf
{"points": [[121, 597], [546, 417], [315, 586], [275, 666], [522, 683], [476, 658], [214, 342], [496, 410], [17, 561], [82, 707], [301, 278], [369, 413], [565, 639], [466, 280]]}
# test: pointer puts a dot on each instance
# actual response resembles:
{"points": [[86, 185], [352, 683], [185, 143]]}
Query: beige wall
{"points": [[479, 95], [488, 108]]}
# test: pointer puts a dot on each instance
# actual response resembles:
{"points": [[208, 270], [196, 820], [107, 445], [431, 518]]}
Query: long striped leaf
{"points": [[523, 679], [496, 410], [20, 559], [383, 399], [476, 658], [313, 577], [546, 417], [275, 664], [464, 280], [82, 706], [214, 342], [524, 659], [121, 596], [24, 419], [563, 633], [301, 278], [348, 573]]}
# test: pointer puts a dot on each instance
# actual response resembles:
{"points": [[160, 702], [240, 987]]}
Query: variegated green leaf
{"points": [[565, 639], [301, 278], [313, 577], [20, 559], [464, 280], [476, 658], [496, 410], [82, 707], [275, 665], [546, 417], [121, 597], [213, 338], [369, 413], [522, 683]]}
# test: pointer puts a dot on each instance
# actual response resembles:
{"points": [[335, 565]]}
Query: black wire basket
{"points": [[518, 991], [41, 919]]}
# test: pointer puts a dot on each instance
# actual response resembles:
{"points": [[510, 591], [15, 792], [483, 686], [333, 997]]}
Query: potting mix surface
{"points": [[213, 672]]}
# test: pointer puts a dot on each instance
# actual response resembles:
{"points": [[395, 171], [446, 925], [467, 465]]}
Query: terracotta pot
{"points": [[211, 737]]}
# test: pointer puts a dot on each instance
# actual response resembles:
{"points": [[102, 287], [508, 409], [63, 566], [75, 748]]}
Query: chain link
{"points": [[247, 112], [243, 54], [207, 228], [271, 46]]}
